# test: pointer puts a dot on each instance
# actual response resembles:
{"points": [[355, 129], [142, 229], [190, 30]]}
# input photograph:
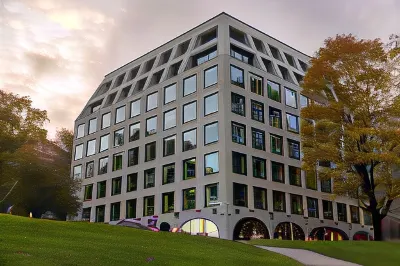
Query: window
{"points": [[78, 152], [150, 151], [355, 214], [189, 139], [116, 186], [238, 104], [131, 182], [237, 76], [134, 132], [326, 186], [258, 139], [120, 114], [256, 84], [327, 209], [135, 108], [189, 85], [295, 176], [291, 98], [260, 198], [131, 209], [170, 93], [170, 119], [152, 101], [189, 112], [105, 120], [104, 140], [89, 169], [304, 101], [189, 168], [189, 199], [80, 131], [312, 207], [211, 195], [202, 57], [149, 178], [92, 125], [278, 172], [148, 206], [211, 133], [168, 174], [86, 214], [168, 204], [103, 165], [133, 156], [294, 149], [367, 217], [91, 147], [296, 203], [342, 212], [100, 211], [151, 126], [119, 137], [88, 192], [276, 144], [242, 55], [239, 163], [238, 133], [211, 104], [292, 123], [274, 91], [275, 118], [210, 76], [101, 189], [311, 180], [257, 111], [169, 145], [239, 195], [211, 163], [259, 168], [117, 161], [279, 201]]}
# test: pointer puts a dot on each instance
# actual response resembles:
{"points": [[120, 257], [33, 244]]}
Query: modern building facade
{"points": [[203, 133]]}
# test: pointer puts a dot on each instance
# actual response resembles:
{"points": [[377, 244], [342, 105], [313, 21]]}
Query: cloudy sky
{"points": [[58, 51]]}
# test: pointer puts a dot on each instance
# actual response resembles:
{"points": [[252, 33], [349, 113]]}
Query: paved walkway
{"points": [[309, 258]]}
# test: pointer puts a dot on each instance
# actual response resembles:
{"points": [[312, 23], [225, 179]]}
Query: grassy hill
{"points": [[25, 241]]}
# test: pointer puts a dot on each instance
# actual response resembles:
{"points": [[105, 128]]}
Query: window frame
{"points": [[252, 75], [81, 152], [205, 164], [286, 98], [274, 163], [238, 96], [253, 117], [183, 165], [183, 112], [89, 124], [146, 131], [246, 196], [78, 130], [283, 203], [116, 114], [132, 104], [266, 198], [242, 155], [123, 137], [99, 166], [254, 132], [235, 124], [281, 146], [289, 142], [292, 209], [155, 148], [241, 85], [205, 105], [137, 158], [164, 145], [165, 178], [308, 199], [102, 120], [183, 198], [114, 166], [147, 101], [164, 120], [205, 194], [297, 131], [165, 93], [183, 91], [130, 126], [269, 93], [94, 147], [253, 160], [145, 178], [204, 76], [163, 202], [116, 179], [204, 130], [135, 177], [183, 139]]}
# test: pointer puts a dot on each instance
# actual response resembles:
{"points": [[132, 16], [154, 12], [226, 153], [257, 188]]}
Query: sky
{"points": [[58, 51]]}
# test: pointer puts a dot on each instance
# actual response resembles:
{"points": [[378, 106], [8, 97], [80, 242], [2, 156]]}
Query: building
{"points": [[203, 133]]}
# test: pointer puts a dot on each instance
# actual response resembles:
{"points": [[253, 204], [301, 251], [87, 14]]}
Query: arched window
{"points": [[200, 226]]}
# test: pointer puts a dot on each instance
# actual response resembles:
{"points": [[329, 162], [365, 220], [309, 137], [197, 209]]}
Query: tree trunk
{"points": [[377, 223]]}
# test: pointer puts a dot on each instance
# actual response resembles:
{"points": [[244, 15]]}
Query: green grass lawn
{"points": [[25, 241], [362, 252]]}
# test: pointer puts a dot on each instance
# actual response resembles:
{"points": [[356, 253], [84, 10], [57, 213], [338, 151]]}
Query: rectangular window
{"points": [[89, 169], [291, 98], [133, 156], [77, 172], [304, 101], [170, 119], [151, 126], [240, 195], [106, 120], [80, 131], [311, 180], [120, 114], [296, 203], [211, 195], [327, 209], [259, 168], [100, 213], [189, 168], [117, 162], [238, 133], [211, 104], [168, 202], [210, 76], [205, 56], [150, 151], [355, 214], [148, 206], [257, 111], [367, 217], [91, 147], [292, 123], [312, 207], [238, 104], [294, 149], [326, 186], [258, 139], [104, 141], [237, 76], [131, 209], [211, 133], [295, 176], [168, 174], [88, 192], [152, 101], [189, 199], [275, 117], [135, 108], [116, 186], [342, 212], [169, 145], [239, 163], [119, 137], [101, 189], [279, 201], [260, 198], [189, 85], [189, 139], [134, 132], [103, 165], [170, 94], [92, 126], [86, 214], [211, 163], [276, 144], [190, 112], [256, 84], [149, 178], [274, 91], [278, 172], [131, 182]]}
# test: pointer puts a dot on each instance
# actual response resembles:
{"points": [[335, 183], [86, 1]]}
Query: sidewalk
{"points": [[309, 258]]}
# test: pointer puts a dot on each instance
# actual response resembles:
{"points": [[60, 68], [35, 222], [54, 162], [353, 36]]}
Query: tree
{"points": [[356, 126]]}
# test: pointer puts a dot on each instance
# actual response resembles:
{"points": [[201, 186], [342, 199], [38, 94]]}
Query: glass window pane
{"points": [[77, 172], [279, 201], [327, 209], [104, 140], [189, 112], [133, 156], [276, 144], [152, 101], [257, 111], [304, 101], [103, 165], [256, 84], [291, 98], [342, 212], [117, 162], [189, 139], [274, 91], [211, 163], [211, 133], [168, 204], [259, 168], [101, 189], [148, 206], [89, 169], [149, 178], [168, 174], [237, 76], [134, 132], [92, 125], [258, 139], [80, 131], [275, 118], [189, 199], [238, 133], [189, 169], [135, 108], [119, 137], [292, 123], [106, 120], [78, 152], [295, 176], [211, 195], [238, 104], [296, 203], [239, 195], [189, 85], [170, 93], [211, 104], [120, 114], [150, 151], [131, 209], [151, 126], [131, 184], [210, 76], [312, 207], [239, 163], [260, 198], [278, 172], [170, 119], [294, 149], [91, 147], [116, 186], [169, 145]]}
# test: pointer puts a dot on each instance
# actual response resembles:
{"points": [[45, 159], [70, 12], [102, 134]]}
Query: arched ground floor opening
{"points": [[361, 235], [250, 228], [289, 231], [328, 234], [200, 226]]}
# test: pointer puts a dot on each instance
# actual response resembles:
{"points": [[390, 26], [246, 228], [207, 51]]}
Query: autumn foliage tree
{"points": [[356, 124]]}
